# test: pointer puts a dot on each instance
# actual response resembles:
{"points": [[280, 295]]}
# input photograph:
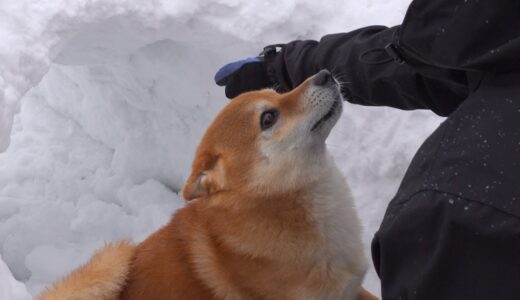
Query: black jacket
{"points": [[452, 232]]}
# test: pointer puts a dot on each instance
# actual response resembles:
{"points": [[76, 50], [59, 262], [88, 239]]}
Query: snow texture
{"points": [[102, 104], [10, 288]]}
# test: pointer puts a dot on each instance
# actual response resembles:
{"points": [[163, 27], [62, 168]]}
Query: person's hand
{"points": [[243, 76]]}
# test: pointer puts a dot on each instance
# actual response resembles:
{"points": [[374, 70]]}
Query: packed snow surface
{"points": [[10, 288], [102, 104]]}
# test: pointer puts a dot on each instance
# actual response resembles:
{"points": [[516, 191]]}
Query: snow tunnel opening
{"points": [[145, 93], [106, 138]]}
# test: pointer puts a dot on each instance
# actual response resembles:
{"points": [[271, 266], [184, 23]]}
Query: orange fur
{"points": [[366, 295], [247, 232], [102, 278]]}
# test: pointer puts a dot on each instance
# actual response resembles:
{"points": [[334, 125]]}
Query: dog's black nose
{"points": [[322, 78]]}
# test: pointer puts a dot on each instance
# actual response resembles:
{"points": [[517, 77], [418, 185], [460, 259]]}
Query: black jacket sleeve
{"points": [[446, 45], [367, 73]]}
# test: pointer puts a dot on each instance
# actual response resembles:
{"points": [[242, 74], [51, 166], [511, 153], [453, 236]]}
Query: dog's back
{"points": [[162, 268], [102, 278]]}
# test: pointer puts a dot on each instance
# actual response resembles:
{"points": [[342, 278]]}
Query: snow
{"points": [[102, 104], [10, 288]]}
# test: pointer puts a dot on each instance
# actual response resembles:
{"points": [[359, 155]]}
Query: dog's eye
{"points": [[268, 119]]}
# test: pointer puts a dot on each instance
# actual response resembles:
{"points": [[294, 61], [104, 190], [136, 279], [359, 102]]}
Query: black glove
{"points": [[248, 74], [243, 76]]}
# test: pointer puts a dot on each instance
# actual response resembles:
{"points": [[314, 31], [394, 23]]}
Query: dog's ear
{"points": [[206, 177]]}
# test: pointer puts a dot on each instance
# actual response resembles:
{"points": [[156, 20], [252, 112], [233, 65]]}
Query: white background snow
{"points": [[102, 104]]}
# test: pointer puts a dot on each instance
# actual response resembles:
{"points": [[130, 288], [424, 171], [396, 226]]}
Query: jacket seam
{"points": [[409, 198], [436, 154]]}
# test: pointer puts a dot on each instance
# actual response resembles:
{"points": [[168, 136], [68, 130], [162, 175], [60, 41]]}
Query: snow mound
{"points": [[113, 97], [10, 288]]}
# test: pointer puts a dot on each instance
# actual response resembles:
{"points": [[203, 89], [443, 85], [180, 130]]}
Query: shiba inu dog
{"points": [[269, 215]]}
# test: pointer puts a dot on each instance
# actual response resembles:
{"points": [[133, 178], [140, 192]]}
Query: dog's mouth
{"points": [[331, 112]]}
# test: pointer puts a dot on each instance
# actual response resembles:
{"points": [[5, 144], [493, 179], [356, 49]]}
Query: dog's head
{"points": [[265, 141]]}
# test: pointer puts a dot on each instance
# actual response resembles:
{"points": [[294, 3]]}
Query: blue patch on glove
{"points": [[227, 70]]}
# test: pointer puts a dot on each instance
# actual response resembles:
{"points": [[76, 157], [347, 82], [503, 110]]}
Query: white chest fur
{"points": [[341, 255]]}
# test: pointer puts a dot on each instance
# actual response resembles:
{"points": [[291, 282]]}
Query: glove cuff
{"points": [[268, 56]]}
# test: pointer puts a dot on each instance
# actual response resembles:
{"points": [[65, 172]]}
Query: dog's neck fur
{"points": [[311, 226]]}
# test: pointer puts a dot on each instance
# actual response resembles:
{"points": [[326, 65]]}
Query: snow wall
{"points": [[102, 104]]}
